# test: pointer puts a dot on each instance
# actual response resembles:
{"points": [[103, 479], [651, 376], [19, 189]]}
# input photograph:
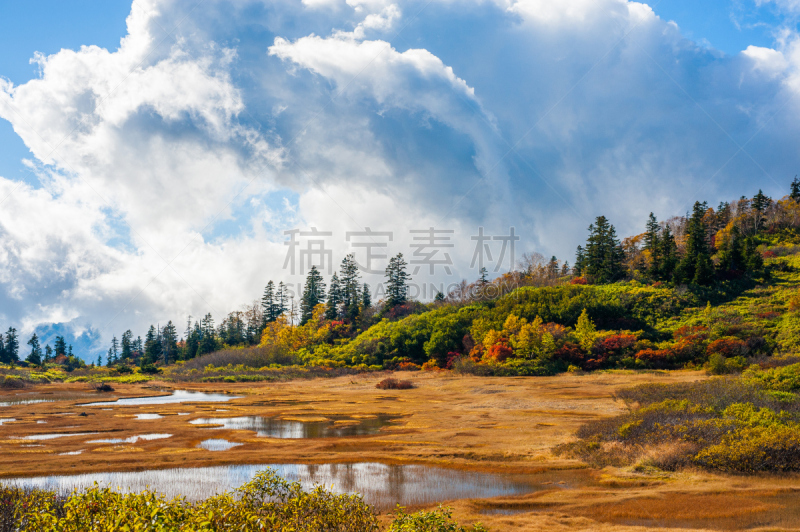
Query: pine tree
{"points": [[565, 268], [60, 346], [35, 357], [603, 254], [730, 256], [12, 346], [669, 255], [126, 350], [269, 305], [580, 261], [397, 279], [753, 260], [795, 190], [208, 339], [694, 267], [110, 361], [3, 359], [281, 300], [652, 244], [552, 268], [313, 294], [760, 204], [334, 299], [366, 298], [152, 347], [48, 353], [99, 360], [350, 285], [113, 353], [169, 338]]}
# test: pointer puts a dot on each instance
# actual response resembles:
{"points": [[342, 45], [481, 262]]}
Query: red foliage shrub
{"points": [[571, 354], [579, 280], [657, 358], [728, 347], [452, 356], [695, 334], [500, 351], [394, 384], [408, 366], [769, 255]]}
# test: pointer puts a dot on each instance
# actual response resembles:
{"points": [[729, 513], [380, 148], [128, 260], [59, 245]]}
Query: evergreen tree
{"points": [[208, 339], [580, 261], [730, 256], [3, 359], [60, 346], [48, 353], [152, 346], [397, 279], [366, 298], [439, 297], [552, 268], [126, 350], [565, 268], [35, 357], [269, 304], [99, 360], [669, 254], [603, 254], [795, 190], [113, 352], [695, 267], [281, 300], [110, 361], [169, 339], [652, 244], [313, 294], [193, 335], [12, 346], [760, 204], [350, 285], [753, 260], [334, 299]]}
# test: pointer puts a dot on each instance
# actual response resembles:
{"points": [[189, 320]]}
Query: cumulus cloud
{"points": [[170, 168]]}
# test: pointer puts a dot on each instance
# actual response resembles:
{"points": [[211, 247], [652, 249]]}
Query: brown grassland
{"points": [[489, 424]]}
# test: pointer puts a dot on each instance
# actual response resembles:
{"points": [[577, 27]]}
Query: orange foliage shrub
{"points": [[430, 365], [394, 384], [579, 280], [408, 366], [500, 352], [729, 347]]}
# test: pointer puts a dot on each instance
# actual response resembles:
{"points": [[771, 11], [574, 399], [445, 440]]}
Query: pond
{"points": [[217, 445], [272, 427], [133, 439], [51, 436], [148, 416], [381, 485], [178, 396]]}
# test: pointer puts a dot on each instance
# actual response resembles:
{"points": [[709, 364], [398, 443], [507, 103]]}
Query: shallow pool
{"points": [[272, 427], [381, 485], [178, 396], [217, 444]]}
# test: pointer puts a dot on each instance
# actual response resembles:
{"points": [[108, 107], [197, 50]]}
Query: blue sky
{"points": [[162, 175]]}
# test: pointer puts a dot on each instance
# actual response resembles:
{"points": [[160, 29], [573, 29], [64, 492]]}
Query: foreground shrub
{"points": [[12, 382], [394, 384], [101, 387], [440, 520]]}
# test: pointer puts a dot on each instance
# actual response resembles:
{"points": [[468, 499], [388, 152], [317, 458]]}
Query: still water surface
{"points": [[272, 427], [178, 396], [381, 485]]}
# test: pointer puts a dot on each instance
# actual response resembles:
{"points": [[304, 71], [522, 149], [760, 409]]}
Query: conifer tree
{"points": [[60, 346], [113, 352], [3, 359], [35, 357], [603, 255], [350, 285], [334, 299], [169, 340], [652, 244], [585, 331], [366, 298], [669, 255], [208, 338], [281, 299], [795, 190], [753, 260], [397, 279], [48, 353], [12, 346], [313, 294], [552, 268], [269, 304], [580, 261], [126, 346], [760, 204], [696, 266], [730, 256], [152, 347]]}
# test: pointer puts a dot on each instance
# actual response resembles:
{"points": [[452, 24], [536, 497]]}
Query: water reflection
{"points": [[51, 436], [133, 439], [178, 396], [380, 484], [218, 445], [148, 416], [271, 427]]}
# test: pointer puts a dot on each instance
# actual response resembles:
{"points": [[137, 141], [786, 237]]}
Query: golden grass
{"points": [[489, 424]]}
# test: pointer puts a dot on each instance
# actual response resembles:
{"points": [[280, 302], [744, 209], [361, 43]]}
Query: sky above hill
{"points": [[158, 156]]}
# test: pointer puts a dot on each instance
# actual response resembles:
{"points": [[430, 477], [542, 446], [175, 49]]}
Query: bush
{"points": [[394, 384], [150, 369], [12, 382], [440, 520], [122, 369], [102, 387]]}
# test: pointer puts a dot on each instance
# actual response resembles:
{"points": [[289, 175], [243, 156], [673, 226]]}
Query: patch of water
{"points": [[178, 396], [218, 445], [6, 420], [71, 453], [148, 416], [183, 413], [25, 402], [381, 485], [271, 427], [40, 421], [52, 436], [133, 439]]}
